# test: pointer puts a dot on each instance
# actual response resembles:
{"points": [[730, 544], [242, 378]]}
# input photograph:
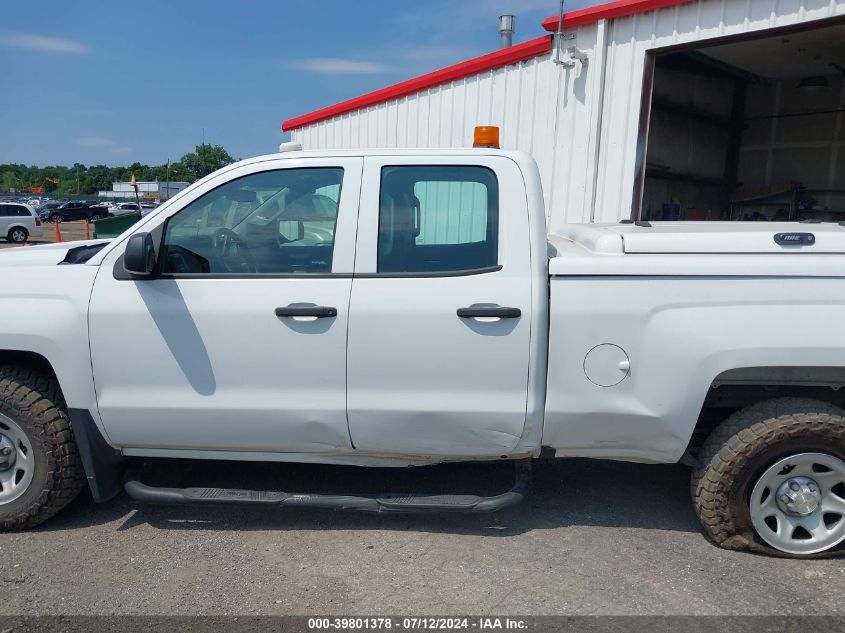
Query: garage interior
{"points": [[749, 129]]}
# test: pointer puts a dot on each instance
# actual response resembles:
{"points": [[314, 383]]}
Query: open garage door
{"points": [[747, 129]]}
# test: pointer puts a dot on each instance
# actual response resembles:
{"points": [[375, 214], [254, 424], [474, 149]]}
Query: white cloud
{"points": [[435, 55], [337, 66], [95, 141], [42, 43], [104, 143]]}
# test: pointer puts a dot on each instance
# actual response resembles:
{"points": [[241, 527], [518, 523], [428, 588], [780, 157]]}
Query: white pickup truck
{"points": [[405, 308]]}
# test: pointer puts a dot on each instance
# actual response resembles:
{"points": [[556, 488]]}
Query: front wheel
{"points": [[40, 468], [772, 478], [18, 235]]}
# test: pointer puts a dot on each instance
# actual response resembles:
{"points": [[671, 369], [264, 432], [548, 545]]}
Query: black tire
{"points": [[742, 447], [17, 235], [34, 402]]}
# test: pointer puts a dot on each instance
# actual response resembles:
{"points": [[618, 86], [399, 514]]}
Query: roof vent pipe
{"points": [[507, 24]]}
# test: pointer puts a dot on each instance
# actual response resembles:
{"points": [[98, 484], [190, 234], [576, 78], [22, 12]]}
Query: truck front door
{"points": [[440, 315], [238, 342]]}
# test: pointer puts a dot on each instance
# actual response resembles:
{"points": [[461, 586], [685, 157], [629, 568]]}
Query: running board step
{"points": [[403, 502]]}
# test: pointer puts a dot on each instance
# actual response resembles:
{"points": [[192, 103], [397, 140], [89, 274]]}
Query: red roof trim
{"points": [[608, 11], [497, 59]]}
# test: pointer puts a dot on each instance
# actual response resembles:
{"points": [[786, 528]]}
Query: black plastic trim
{"points": [[121, 274], [81, 254], [446, 273], [690, 459], [489, 311], [390, 503], [321, 312], [794, 238], [102, 462], [254, 276]]}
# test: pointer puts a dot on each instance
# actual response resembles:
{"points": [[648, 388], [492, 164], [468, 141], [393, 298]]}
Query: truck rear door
{"points": [[440, 312]]}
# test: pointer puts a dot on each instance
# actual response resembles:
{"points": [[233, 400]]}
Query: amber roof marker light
{"points": [[486, 136]]}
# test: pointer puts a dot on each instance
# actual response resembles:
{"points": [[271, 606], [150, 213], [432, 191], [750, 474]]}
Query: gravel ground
{"points": [[69, 231], [593, 538]]}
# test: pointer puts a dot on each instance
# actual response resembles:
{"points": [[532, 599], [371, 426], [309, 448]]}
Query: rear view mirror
{"points": [[241, 195], [139, 258], [291, 230]]}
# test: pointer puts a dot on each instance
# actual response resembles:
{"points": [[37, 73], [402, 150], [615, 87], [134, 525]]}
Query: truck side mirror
{"points": [[139, 258]]}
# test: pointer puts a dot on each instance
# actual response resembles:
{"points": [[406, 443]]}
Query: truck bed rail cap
{"points": [[708, 238]]}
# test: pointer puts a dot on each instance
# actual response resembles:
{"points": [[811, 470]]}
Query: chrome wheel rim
{"points": [[18, 236], [798, 503], [17, 460]]}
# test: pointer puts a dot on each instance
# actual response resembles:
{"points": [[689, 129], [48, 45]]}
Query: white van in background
{"points": [[19, 222]]}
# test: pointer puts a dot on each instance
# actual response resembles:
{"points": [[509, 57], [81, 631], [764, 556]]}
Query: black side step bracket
{"points": [[402, 502]]}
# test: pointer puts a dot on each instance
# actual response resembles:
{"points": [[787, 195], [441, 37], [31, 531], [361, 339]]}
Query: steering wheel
{"points": [[232, 251]]}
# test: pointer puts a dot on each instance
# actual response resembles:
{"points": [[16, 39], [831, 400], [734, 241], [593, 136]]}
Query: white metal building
{"points": [[153, 189], [677, 110]]}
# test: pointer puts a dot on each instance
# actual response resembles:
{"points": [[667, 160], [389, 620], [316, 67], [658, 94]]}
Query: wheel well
{"points": [[739, 388], [28, 360]]}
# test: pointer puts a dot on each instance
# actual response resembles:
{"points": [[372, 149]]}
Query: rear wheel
{"points": [[40, 468], [772, 479], [18, 235]]}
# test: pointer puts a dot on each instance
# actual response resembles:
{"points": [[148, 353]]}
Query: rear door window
{"points": [[437, 219]]}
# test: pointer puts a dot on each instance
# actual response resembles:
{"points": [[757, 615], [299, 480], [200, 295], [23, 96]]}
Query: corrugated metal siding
{"points": [[537, 110], [452, 212], [553, 113]]}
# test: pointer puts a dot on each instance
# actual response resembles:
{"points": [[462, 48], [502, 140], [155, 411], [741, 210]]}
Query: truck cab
{"points": [[407, 307]]}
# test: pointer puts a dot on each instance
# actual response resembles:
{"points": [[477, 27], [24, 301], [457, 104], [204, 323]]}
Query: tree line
{"points": [[86, 180]]}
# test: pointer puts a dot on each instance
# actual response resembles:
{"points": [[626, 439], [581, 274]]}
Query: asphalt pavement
{"points": [[592, 538]]}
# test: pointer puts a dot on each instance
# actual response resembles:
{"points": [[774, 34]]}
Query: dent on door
{"points": [[439, 328]]}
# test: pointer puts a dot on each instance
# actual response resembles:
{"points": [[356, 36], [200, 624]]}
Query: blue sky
{"points": [[120, 82]]}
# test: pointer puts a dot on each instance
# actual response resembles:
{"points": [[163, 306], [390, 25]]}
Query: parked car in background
{"points": [[122, 208], [76, 210], [147, 208], [108, 206], [47, 207], [132, 207], [19, 222]]}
